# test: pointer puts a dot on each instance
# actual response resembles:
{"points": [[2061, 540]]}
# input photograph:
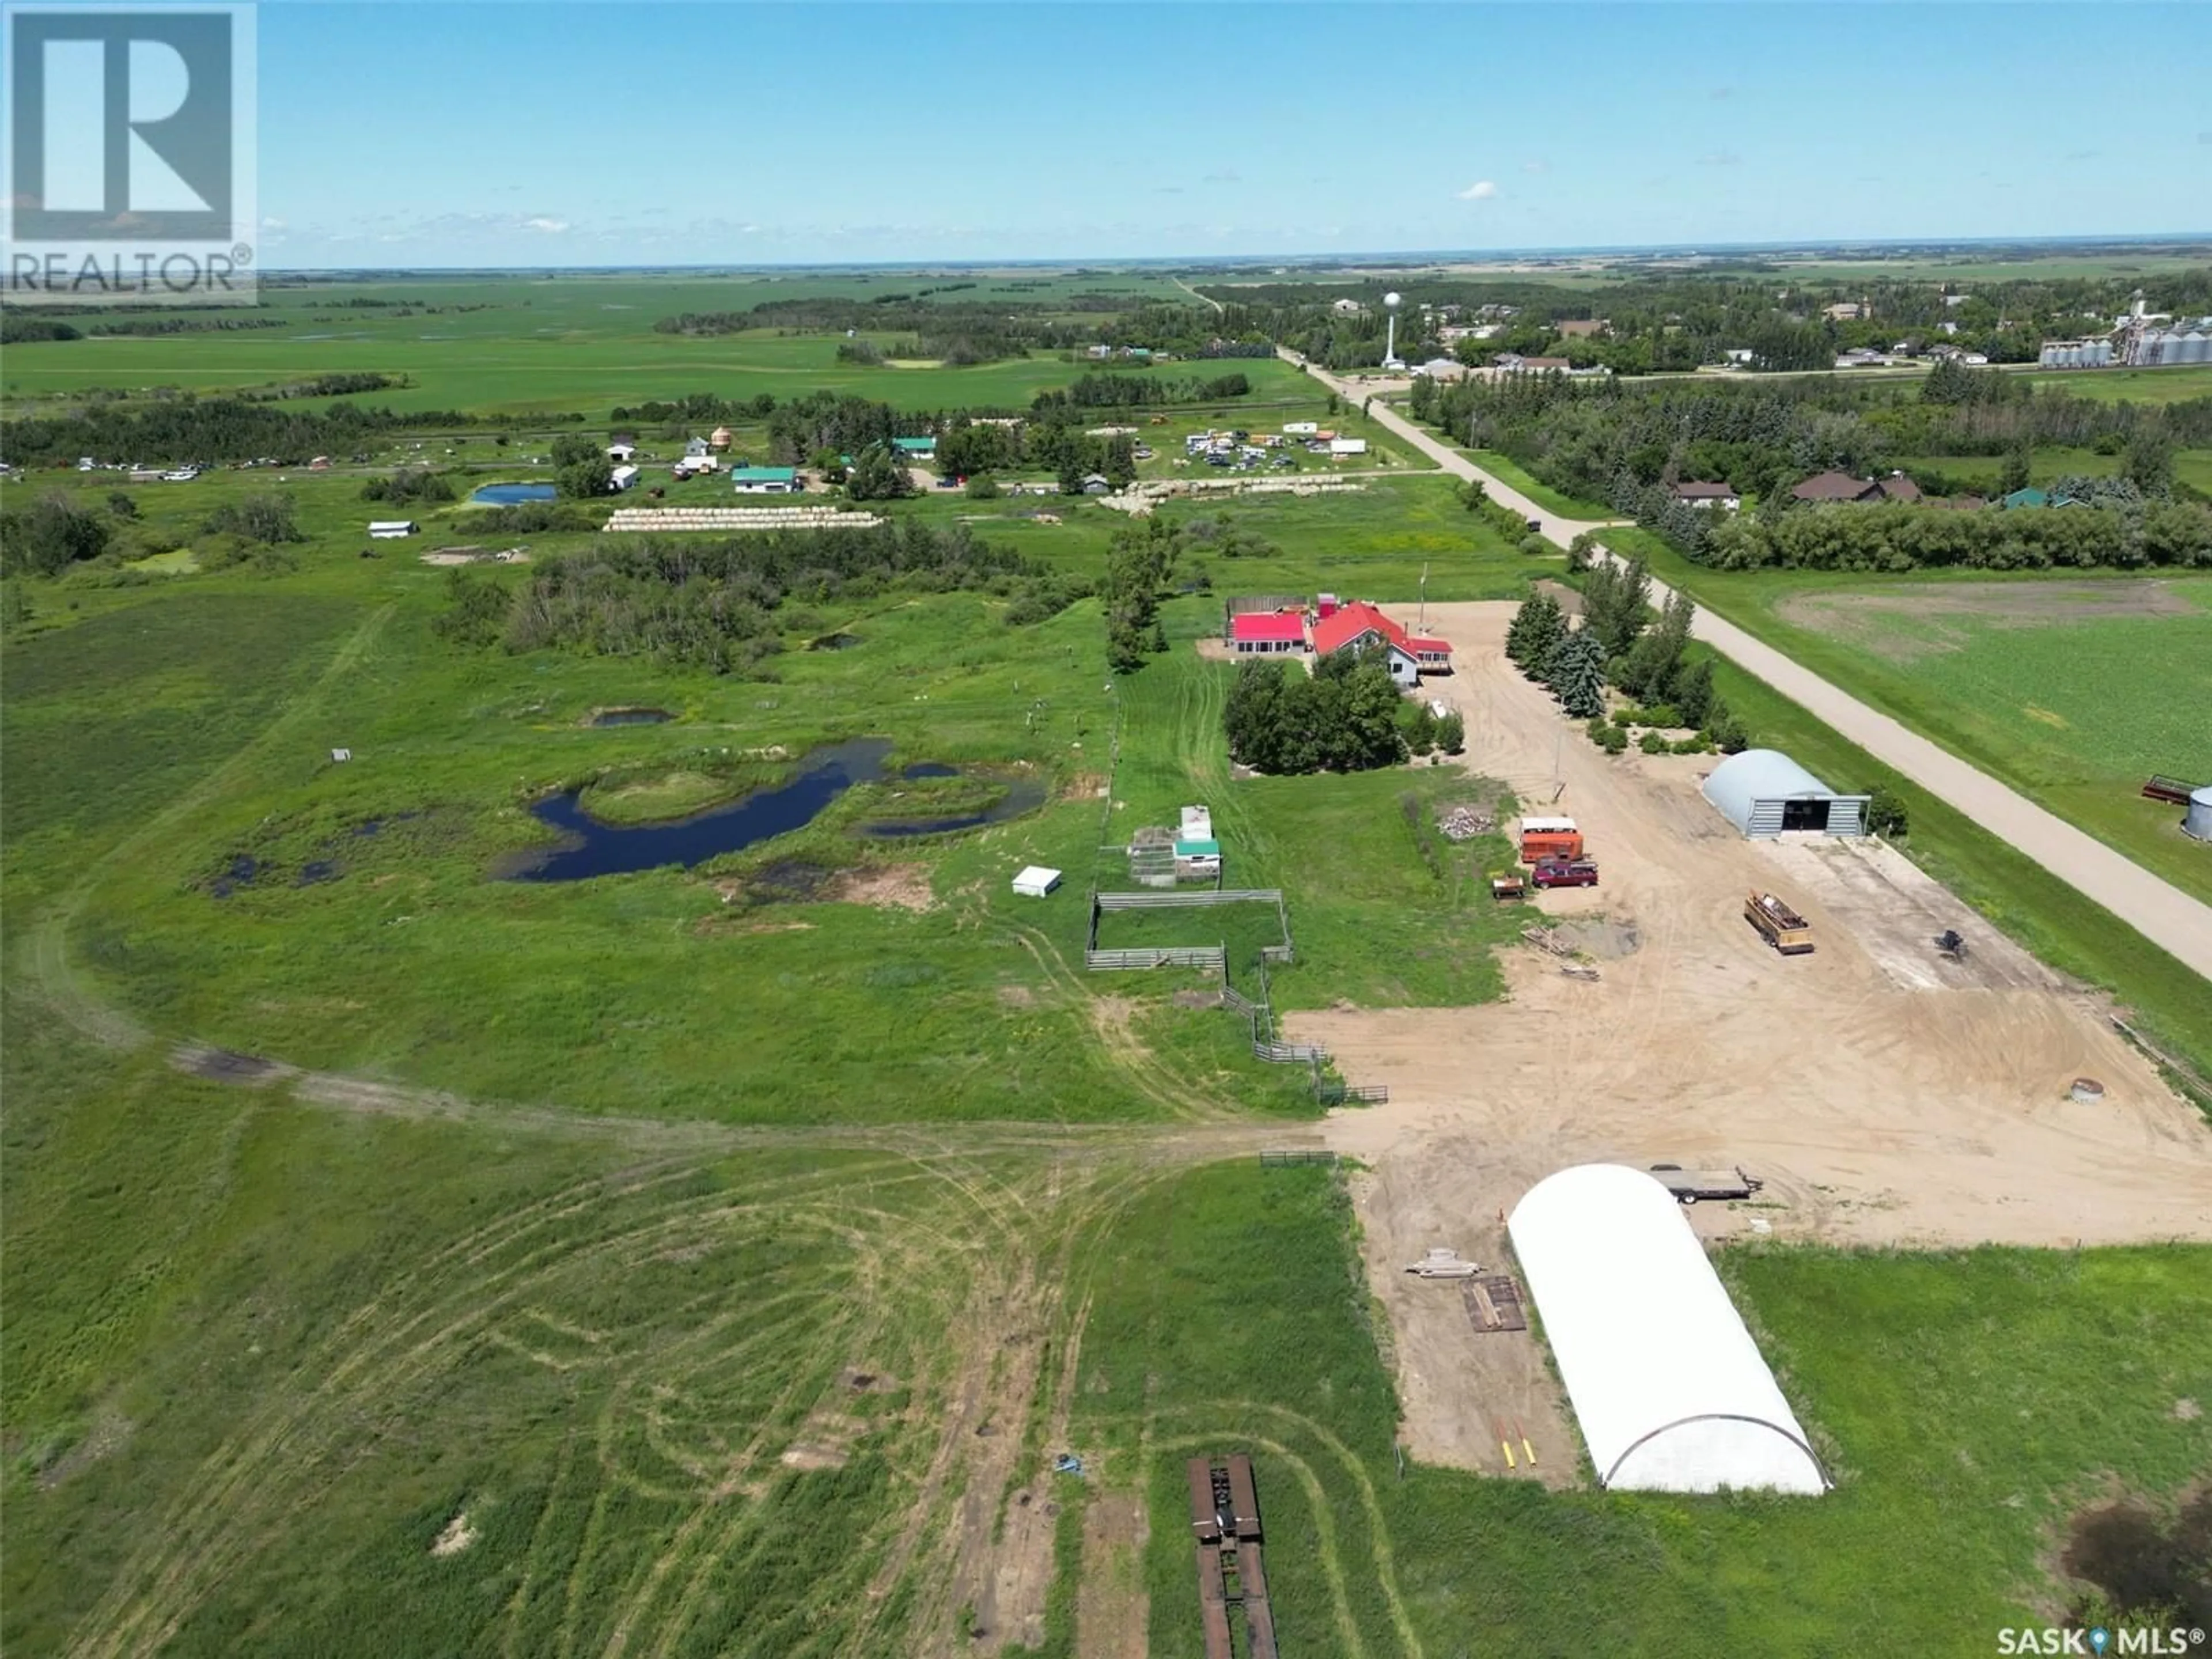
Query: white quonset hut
{"points": [[1764, 793], [1667, 1386]]}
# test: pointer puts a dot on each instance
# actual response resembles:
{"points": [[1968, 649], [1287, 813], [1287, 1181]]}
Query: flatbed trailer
{"points": [[1224, 1519], [1778, 925], [2173, 791], [1688, 1186]]}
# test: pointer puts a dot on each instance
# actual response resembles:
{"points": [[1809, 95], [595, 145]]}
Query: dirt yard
{"points": [[1884, 1095]]}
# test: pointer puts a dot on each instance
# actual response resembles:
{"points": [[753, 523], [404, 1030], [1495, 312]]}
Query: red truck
{"points": [[1564, 873]]}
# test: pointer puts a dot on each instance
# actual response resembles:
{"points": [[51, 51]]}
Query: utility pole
{"points": [[1422, 624]]}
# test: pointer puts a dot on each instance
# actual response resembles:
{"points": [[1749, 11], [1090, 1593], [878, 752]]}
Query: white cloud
{"points": [[551, 226], [272, 223], [1538, 165], [1481, 190]]}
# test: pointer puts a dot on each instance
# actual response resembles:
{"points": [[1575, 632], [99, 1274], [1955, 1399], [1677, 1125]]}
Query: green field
{"points": [[515, 346], [2139, 386], [710, 1262]]}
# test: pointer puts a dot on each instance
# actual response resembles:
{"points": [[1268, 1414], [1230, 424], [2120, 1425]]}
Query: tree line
{"points": [[712, 605], [1141, 390], [211, 430], [2114, 534]]}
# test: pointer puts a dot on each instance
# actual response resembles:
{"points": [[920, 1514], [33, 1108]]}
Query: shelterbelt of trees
{"points": [[214, 430], [712, 604], [959, 333], [1676, 321], [1628, 446]]}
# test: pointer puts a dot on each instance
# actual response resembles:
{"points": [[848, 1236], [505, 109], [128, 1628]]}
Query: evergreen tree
{"points": [[1691, 693], [878, 475], [1579, 674], [1539, 625]]}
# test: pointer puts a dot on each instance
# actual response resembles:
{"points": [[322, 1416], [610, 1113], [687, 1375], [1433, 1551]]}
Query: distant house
{"points": [[1842, 487], [1740, 356], [915, 449], [1267, 633], [621, 453], [2032, 498], [1347, 307], [1582, 329], [1095, 484], [765, 480], [1351, 626], [1708, 494], [1845, 311], [1443, 368], [1834, 486], [1100, 353], [697, 449], [1514, 360]]}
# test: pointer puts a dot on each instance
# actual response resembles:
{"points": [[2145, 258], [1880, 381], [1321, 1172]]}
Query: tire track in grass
{"points": [[51, 968], [197, 1554]]}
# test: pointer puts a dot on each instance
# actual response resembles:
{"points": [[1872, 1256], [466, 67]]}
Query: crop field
{"points": [[2139, 386], [513, 346], [2075, 692], [403, 1257]]}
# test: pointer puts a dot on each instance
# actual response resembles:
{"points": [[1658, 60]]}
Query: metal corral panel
{"points": [[1668, 1388]]}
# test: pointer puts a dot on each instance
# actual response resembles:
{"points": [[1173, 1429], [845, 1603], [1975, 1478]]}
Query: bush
{"points": [[980, 488], [1452, 733], [1694, 744], [264, 519], [1885, 814], [1534, 545], [50, 535], [1652, 743], [409, 484], [1615, 741]]}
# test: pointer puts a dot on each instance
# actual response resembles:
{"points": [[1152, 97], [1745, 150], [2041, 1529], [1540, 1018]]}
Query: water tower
{"points": [[1390, 304]]}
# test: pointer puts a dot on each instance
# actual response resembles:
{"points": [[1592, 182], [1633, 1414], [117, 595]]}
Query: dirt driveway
{"points": [[1884, 1096]]}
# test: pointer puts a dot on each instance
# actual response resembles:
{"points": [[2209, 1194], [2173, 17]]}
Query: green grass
{"points": [[545, 342], [2074, 712], [1966, 1401], [1552, 501], [2138, 386]]}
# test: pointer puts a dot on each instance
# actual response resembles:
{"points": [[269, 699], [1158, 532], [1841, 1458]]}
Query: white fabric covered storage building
{"points": [[1667, 1386]]}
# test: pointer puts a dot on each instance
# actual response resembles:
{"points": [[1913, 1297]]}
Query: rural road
{"points": [[2160, 912]]}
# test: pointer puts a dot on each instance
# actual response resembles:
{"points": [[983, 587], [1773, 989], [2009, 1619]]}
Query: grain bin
{"points": [[2198, 820]]}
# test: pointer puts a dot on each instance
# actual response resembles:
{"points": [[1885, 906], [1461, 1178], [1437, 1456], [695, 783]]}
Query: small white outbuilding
{"points": [[1668, 1387], [1035, 881]]}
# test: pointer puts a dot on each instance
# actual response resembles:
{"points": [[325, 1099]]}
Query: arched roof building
{"points": [[1668, 1387], [1763, 793]]}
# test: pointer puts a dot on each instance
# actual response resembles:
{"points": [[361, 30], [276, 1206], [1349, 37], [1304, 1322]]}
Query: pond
{"points": [[594, 848], [510, 495]]}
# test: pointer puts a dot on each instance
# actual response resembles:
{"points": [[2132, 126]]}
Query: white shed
{"points": [[1035, 881], [386, 530], [1669, 1390], [622, 477]]}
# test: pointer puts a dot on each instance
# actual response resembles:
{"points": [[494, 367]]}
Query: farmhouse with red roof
{"points": [[1262, 633], [1359, 624]]}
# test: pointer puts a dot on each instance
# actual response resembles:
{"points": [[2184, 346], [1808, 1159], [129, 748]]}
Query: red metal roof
{"points": [[1268, 626], [1358, 618]]}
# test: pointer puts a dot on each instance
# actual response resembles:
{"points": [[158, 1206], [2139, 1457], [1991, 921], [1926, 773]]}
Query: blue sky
{"points": [[442, 134]]}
